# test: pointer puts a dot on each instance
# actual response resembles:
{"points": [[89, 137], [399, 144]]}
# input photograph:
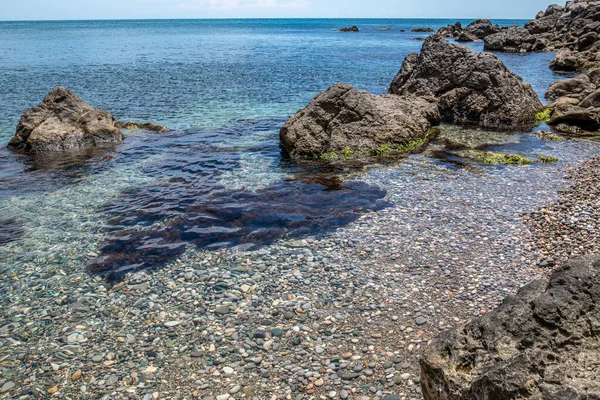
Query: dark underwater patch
{"points": [[180, 214]]}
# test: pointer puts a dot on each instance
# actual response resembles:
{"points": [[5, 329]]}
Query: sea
{"points": [[218, 178]]}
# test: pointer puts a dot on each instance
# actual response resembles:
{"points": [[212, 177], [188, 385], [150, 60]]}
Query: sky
{"points": [[143, 9]]}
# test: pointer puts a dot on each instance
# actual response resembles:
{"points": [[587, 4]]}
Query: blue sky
{"points": [[118, 9]]}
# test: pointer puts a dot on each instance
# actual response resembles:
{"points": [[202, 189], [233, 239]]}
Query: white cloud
{"points": [[227, 5]]}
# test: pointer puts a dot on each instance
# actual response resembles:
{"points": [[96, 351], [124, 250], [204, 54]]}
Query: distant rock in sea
{"points": [[350, 29], [422, 30], [470, 88], [64, 122]]}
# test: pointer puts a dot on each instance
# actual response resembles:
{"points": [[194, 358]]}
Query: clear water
{"points": [[225, 86]]}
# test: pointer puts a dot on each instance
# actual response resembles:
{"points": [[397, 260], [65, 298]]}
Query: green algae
{"points": [[547, 159], [383, 151], [543, 116], [488, 157]]}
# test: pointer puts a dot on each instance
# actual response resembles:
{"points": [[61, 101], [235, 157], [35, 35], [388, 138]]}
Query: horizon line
{"points": [[257, 18]]}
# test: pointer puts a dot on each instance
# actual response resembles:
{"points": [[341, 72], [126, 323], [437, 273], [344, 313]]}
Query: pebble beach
{"points": [[343, 316]]}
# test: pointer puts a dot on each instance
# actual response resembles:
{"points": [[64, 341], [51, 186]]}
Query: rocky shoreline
{"points": [[347, 315], [344, 316]]}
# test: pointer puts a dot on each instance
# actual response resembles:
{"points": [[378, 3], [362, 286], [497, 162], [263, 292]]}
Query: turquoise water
{"points": [[225, 87]]}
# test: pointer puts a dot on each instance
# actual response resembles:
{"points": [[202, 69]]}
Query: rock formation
{"points": [[481, 28], [477, 29], [571, 30], [575, 104], [542, 343], [422, 30], [350, 29], [451, 31], [64, 122], [345, 118], [470, 88], [466, 37]]}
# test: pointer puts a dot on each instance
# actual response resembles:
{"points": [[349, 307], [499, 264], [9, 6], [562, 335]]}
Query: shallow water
{"points": [[218, 179]]}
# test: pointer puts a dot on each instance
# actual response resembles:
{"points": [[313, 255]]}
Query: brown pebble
{"points": [[53, 390], [76, 376]]}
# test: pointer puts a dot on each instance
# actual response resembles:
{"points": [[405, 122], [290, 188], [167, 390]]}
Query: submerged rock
{"points": [[471, 88], [146, 126], [64, 122], [343, 118], [542, 343]]}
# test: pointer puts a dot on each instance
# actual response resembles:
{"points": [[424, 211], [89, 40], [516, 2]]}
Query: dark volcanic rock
{"points": [[573, 29], [576, 104], [350, 29], [451, 30], [572, 61], [466, 37], [543, 343], [482, 28], [344, 117], [470, 87], [513, 39], [64, 122], [422, 30]]}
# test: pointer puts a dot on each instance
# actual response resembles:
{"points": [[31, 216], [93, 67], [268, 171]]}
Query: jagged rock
{"points": [[422, 30], [587, 119], [146, 126], [576, 104], [542, 343], [482, 28], [471, 88], [344, 117], [573, 30], [572, 61], [512, 39], [350, 29], [466, 37], [451, 31], [567, 61], [578, 88], [64, 122]]}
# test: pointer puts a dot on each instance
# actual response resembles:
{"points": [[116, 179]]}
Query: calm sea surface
{"points": [[217, 180]]}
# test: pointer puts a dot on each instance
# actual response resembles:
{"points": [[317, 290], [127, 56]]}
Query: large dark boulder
{"points": [[542, 343], [471, 88], [482, 28], [64, 122], [343, 117]]}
